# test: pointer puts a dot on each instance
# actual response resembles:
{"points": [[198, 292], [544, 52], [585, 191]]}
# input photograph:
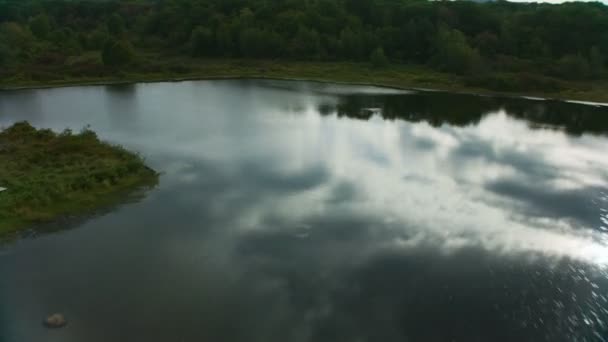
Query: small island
{"points": [[46, 175]]}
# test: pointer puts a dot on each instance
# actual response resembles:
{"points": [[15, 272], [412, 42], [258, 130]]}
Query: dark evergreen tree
{"points": [[117, 53], [378, 58]]}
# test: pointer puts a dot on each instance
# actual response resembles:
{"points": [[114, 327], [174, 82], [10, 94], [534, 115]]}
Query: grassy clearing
{"points": [[49, 175], [154, 67]]}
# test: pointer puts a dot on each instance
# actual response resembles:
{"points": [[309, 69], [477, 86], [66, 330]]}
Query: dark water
{"points": [[292, 211]]}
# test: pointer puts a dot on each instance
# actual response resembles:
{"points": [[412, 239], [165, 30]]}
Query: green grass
{"points": [[50, 175], [154, 67]]}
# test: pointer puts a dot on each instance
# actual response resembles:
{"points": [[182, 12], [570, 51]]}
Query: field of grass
{"points": [[49, 175], [154, 67]]}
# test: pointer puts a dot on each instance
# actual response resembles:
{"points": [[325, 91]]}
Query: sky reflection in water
{"points": [[311, 212]]}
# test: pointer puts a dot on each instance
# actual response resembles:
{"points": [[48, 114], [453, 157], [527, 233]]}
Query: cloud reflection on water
{"points": [[497, 185], [290, 212]]}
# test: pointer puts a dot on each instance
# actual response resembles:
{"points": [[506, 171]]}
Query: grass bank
{"points": [[153, 67], [49, 175]]}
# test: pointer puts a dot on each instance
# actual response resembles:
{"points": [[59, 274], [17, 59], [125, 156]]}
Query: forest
{"points": [[496, 45]]}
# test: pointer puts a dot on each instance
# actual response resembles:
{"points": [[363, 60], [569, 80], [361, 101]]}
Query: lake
{"points": [[300, 211]]}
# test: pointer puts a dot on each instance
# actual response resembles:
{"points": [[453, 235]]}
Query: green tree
{"points": [[5, 54], [246, 17], [117, 53], [289, 22], [15, 35], [378, 58], [115, 25], [224, 40], [573, 67], [535, 48], [453, 36], [260, 43], [96, 39], [597, 63], [201, 42], [508, 40], [19, 39], [351, 44], [40, 26], [66, 40], [487, 43], [306, 43], [417, 34], [453, 53]]}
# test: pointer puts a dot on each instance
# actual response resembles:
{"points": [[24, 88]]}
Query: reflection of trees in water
{"points": [[122, 89], [460, 110], [121, 103], [574, 118]]}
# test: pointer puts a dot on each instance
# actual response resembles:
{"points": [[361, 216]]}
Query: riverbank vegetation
{"points": [[48, 175], [558, 50]]}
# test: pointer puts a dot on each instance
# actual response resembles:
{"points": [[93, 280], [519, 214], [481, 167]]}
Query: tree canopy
{"points": [[568, 41]]}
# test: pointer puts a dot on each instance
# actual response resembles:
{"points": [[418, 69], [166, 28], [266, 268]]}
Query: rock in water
{"points": [[55, 321]]}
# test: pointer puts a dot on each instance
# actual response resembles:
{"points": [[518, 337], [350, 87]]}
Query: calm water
{"points": [[292, 211]]}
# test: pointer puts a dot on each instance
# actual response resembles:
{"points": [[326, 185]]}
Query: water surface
{"points": [[295, 211]]}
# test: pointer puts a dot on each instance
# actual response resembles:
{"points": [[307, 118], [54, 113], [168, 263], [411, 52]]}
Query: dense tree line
{"points": [[568, 41]]}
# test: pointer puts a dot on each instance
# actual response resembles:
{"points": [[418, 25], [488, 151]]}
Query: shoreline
{"points": [[405, 81], [491, 93]]}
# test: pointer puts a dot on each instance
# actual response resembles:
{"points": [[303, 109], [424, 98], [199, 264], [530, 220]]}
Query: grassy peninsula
{"points": [[48, 175]]}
